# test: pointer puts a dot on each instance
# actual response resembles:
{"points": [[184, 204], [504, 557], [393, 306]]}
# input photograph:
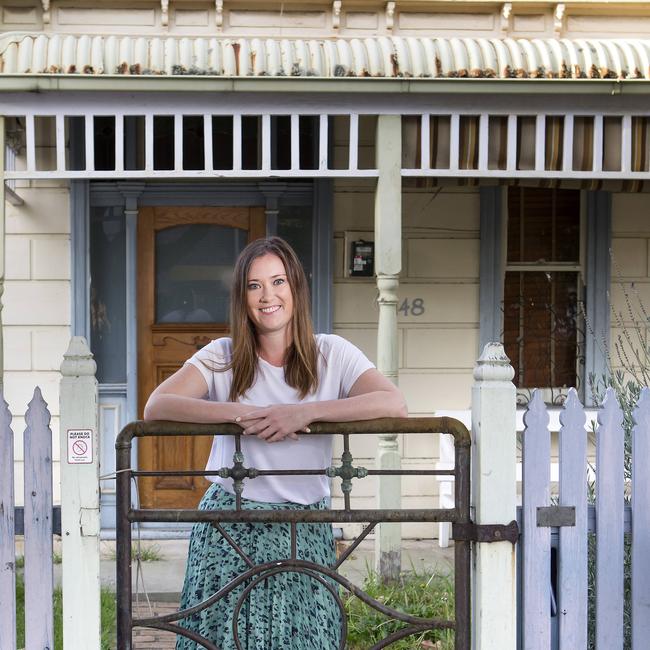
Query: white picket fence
{"points": [[37, 441], [79, 514], [572, 553], [494, 494]]}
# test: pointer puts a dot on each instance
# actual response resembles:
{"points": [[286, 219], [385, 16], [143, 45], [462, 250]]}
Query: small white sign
{"points": [[80, 446]]}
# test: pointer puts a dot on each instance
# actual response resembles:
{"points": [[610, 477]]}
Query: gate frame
{"points": [[459, 516]]}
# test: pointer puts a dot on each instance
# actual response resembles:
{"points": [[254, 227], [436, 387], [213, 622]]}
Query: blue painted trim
{"points": [[490, 266], [322, 253], [80, 258], [598, 281]]}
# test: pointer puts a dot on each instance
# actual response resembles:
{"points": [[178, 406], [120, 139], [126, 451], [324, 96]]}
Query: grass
{"points": [[108, 614], [145, 554], [418, 594], [20, 560]]}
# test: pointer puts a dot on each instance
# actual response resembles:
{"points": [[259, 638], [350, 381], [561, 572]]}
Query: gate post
{"points": [[494, 493], [80, 499]]}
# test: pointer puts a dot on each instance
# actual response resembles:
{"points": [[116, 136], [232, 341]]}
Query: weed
{"points": [[20, 560], [144, 553], [418, 594], [108, 616]]}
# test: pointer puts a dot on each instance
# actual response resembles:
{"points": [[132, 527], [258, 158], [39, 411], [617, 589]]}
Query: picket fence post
{"points": [[39, 578], [536, 475], [641, 522], [610, 509], [80, 523], [494, 490], [573, 548], [7, 532]]}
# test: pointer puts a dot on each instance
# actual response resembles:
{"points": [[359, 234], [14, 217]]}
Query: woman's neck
{"points": [[273, 347]]}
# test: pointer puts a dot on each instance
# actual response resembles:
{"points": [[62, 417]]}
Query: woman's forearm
{"points": [[178, 408], [378, 404]]}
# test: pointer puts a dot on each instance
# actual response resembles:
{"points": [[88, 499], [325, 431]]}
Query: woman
{"points": [[273, 377]]}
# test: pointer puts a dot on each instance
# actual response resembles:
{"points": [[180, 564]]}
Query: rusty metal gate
{"points": [[463, 529]]}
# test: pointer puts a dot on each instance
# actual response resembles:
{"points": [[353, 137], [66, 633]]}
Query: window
{"points": [[543, 288]]}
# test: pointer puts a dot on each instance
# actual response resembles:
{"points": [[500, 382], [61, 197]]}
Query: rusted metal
{"points": [[485, 533], [415, 57], [459, 516]]}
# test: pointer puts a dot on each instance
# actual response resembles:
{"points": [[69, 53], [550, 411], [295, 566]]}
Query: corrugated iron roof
{"points": [[394, 57]]}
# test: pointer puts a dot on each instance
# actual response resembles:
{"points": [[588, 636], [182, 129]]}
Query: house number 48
{"points": [[413, 307]]}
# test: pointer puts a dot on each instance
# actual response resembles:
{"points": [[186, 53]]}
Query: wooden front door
{"points": [[185, 262]]}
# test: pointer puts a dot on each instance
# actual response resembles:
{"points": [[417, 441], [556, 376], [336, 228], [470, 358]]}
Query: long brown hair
{"points": [[301, 358]]}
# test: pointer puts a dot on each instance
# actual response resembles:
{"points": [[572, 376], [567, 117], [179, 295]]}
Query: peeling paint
{"points": [[521, 59], [395, 64], [236, 47]]}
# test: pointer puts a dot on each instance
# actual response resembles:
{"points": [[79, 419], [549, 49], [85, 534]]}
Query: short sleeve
{"points": [[208, 359], [351, 362]]}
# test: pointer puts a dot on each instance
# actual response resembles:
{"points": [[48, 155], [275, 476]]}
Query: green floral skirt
{"points": [[287, 610]]}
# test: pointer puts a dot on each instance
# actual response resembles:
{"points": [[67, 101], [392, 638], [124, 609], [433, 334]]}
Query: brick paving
{"points": [[147, 638]]}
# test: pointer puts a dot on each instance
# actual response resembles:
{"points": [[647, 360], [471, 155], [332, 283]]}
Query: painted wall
{"points": [[482, 18], [630, 287], [36, 313], [438, 324]]}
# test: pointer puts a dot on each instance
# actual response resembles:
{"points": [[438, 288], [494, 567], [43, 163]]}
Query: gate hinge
{"points": [[472, 532]]}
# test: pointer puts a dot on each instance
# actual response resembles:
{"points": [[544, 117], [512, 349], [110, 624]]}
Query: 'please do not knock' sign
{"points": [[80, 446]]}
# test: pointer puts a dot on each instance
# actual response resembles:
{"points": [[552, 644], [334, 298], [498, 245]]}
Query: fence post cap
{"points": [[78, 359], [493, 364]]}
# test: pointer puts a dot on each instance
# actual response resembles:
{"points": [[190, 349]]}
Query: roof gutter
{"points": [[37, 83]]}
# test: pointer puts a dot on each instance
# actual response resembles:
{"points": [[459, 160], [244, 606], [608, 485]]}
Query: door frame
{"points": [[118, 401]]}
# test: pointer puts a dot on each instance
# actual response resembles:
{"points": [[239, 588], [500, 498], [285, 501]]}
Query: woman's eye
{"points": [[279, 281], [252, 286]]}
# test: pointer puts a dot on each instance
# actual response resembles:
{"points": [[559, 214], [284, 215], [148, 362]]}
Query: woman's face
{"points": [[269, 297]]}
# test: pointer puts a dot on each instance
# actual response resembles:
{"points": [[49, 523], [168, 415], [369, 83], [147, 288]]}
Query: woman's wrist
{"points": [[312, 411]]}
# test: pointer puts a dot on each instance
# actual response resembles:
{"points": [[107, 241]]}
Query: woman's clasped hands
{"points": [[275, 423]]}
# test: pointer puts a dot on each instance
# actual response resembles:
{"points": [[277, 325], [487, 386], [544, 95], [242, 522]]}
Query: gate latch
{"points": [[471, 532]]}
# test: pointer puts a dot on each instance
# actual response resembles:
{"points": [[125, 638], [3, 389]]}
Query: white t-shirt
{"points": [[340, 364]]}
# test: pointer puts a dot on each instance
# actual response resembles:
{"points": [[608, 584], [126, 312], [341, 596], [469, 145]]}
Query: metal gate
{"points": [[459, 516]]}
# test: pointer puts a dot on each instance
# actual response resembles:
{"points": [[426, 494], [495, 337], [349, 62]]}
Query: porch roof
{"points": [[382, 57]]}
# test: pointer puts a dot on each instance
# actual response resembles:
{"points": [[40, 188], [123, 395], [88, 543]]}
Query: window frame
{"points": [[595, 272]]}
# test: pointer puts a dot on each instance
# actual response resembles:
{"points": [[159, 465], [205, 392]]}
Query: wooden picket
{"points": [[641, 523], [573, 544], [610, 528], [7, 550], [537, 548], [610, 512], [39, 580], [39, 622]]}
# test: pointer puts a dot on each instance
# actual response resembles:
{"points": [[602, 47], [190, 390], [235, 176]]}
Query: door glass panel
{"points": [[108, 293], [194, 267]]}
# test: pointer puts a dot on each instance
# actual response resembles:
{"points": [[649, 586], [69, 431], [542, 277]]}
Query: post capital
{"points": [[493, 364], [78, 359]]}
